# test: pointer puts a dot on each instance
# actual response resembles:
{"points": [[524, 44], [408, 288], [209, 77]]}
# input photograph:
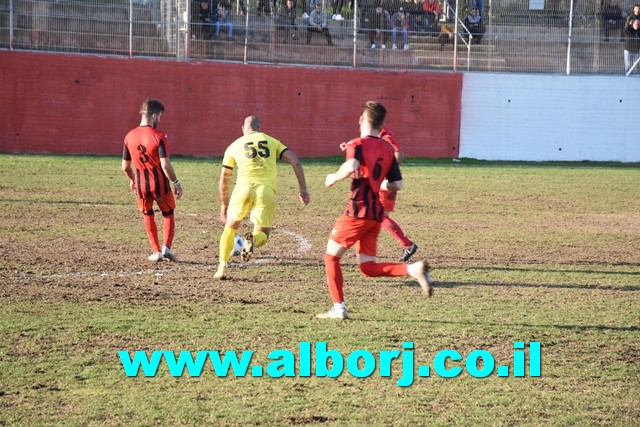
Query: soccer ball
{"points": [[238, 243]]}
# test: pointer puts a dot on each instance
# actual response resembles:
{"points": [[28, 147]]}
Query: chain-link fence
{"points": [[534, 36]]}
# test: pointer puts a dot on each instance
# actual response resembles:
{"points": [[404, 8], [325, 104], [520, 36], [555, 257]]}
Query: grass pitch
{"points": [[520, 252]]}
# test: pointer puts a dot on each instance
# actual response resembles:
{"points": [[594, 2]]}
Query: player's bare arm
{"points": [[128, 170], [223, 192], [391, 186], [167, 167], [289, 157], [344, 171]]}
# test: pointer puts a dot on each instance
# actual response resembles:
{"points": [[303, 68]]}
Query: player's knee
{"points": [[148, 213], [367, 269], [167, 213]]}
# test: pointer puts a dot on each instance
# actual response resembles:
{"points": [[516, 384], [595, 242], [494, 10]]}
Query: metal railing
{"points": [[533, 36]]}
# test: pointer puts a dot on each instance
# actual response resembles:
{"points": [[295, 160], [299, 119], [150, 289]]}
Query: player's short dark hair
{"points": [[375, 113], [151, 106]]}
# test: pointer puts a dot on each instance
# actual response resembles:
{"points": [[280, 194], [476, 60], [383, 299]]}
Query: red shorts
{"points": [[388, 199], [363, 233], [166, 203]]}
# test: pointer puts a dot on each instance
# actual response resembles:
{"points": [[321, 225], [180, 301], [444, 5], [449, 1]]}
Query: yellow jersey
{"points": [[255, 156]]}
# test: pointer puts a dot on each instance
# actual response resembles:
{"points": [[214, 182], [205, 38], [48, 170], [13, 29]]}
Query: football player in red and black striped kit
{"points": [[372, 166], [145, 160]]}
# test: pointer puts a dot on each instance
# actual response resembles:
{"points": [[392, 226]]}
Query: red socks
{"points": [[168, 230], [386, 269], [334, 277], [394, 229], [152, 232]]}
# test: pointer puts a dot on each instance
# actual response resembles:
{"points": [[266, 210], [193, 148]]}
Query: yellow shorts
{"points": [[260, 200]]}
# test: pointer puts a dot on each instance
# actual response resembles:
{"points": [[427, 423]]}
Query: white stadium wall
{"points": [[550, 118]]}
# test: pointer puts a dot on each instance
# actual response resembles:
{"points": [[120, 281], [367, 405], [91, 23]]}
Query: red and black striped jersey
{"points": [[386, 135], [144, 146], [377, 162]]}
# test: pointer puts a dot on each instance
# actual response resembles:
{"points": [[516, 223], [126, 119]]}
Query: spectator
{"points": [[318, 24], [612, 19], [632, 45], [477, 4], [446, 34], [474, 24], [635, 14], [288, 29], [222, 20], [400, 23], [378, 29], [312, 7], [416, 15], [206, 23], [432, 12]]}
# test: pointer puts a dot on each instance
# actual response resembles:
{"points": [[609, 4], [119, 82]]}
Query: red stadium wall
{"points": [[73, 104]]}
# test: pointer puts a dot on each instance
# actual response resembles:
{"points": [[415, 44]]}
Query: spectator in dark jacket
{"points": [[612, 19], [632, 45], [474, 24], [377, 20]]}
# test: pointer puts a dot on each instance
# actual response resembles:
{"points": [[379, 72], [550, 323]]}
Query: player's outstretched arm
{"points": [[289, 157], [345, 170]]}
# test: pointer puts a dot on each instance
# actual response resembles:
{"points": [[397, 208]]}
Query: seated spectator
{"points": [[318, 24], [312, 6], [632, 45], [205, 28], [378, 19], [612, 19], [477, 4], [474, 24], [222, 20], [416, 15], [287, 18], [432, 12], [400, 23], [446, 34], [635, 14]]}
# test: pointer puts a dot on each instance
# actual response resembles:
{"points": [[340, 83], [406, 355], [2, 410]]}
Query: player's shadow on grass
{"points": [[633, 288], [582, 328]]}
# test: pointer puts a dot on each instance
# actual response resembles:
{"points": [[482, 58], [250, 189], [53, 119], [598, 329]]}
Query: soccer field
{"points": [[521, 253]]}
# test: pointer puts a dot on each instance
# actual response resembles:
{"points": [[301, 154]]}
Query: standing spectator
{"points": [[400, 23], [612, 19], [432, 12], [474, 24], [635, 14], [632, 45], [378, 29], [145, 161], [371, 165], [318, 24], [288, 29], [255, 155], [222, 20]]}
